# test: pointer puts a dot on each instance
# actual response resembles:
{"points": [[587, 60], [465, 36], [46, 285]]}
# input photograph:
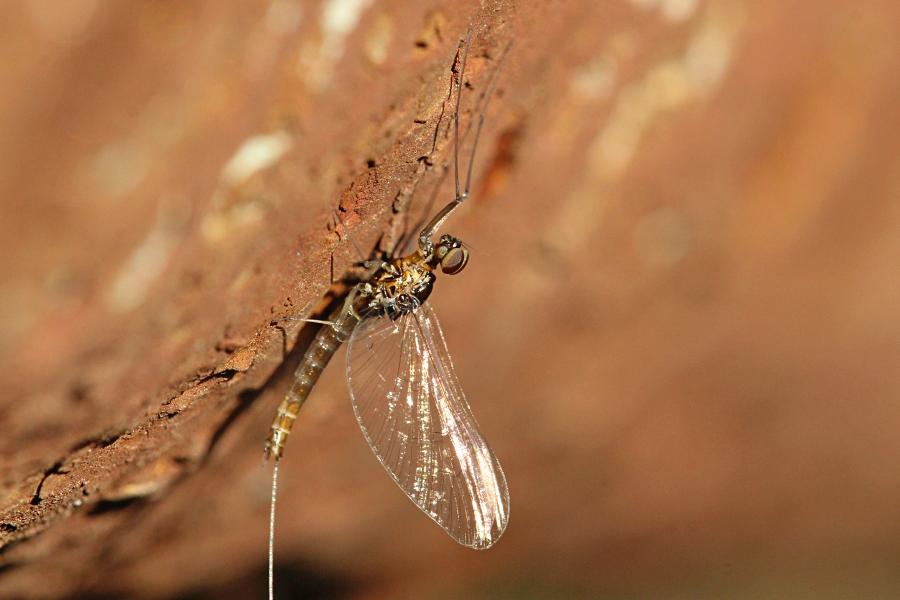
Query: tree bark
{"points": [[678, 322]]}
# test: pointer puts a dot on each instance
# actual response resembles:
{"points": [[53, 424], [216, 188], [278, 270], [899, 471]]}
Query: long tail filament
{"points": [[272, 531]]}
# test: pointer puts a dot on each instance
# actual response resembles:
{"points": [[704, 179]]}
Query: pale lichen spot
{"points": [[283, 17], [665, 88], [596, 79], [663, 237], [709, 55], [673, 11], [118, 168], [379, 39], [668, 86], [61, 22], [678, 11], [148, 261], [257, 153], [217, 225], [337, 19]]}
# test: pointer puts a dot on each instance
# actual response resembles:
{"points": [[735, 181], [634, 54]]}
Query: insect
{"points": [[405, 393]]}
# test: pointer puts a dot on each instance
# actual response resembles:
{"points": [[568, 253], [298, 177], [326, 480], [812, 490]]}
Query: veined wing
{"points": [[414, 415]]}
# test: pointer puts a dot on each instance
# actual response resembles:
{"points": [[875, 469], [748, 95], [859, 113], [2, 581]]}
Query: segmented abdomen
{"points": [[327, 341]]}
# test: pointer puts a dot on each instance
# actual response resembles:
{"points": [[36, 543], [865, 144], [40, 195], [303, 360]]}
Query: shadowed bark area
{"points": [[678, 327]]}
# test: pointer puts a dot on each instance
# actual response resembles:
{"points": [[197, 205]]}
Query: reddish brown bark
{"points": [[679, 326]]}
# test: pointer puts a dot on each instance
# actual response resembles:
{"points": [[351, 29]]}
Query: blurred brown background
{"points": [[680, 327]]}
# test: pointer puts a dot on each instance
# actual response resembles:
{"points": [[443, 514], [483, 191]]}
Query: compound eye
{"points": [[454, 260]]}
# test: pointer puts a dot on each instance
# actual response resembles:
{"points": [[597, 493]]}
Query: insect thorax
{"points": [[401, 286]]}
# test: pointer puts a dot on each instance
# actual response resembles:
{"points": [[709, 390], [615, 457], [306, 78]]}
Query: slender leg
{"points": [[340, 221]]}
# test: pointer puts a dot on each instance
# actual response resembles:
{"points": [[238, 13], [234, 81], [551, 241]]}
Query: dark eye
{"points": [[454, 261]]}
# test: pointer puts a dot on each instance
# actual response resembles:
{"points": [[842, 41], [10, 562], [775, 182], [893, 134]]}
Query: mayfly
{"points": [[405, 393]]}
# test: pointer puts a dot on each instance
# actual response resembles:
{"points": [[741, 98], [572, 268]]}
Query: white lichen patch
{"points": [[674, 11], [61, 22], [337, 20], [663, 237], [677, 11], [228, 212], [256, 154], [710, 51], [666, 87], [283, 17], [217, 225], [379, 38], [121, 165], [147, 262], [339, 17], [596, 79], [118, 168]]}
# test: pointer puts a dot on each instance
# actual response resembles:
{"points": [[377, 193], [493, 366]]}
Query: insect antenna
{"points": [[410, 233], [482, 106], [462, 192], [459, 83]]}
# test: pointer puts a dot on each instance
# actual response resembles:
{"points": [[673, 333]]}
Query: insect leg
{"points": [[337, 217]]}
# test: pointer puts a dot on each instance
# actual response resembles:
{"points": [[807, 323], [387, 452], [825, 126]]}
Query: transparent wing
{"points": [[415, 417]]}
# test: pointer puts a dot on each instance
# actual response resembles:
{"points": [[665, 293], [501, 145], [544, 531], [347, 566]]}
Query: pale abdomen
{"points": [[327, 341]]}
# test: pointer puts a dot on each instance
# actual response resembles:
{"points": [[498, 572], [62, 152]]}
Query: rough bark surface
{"points": [[679, 326]]}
